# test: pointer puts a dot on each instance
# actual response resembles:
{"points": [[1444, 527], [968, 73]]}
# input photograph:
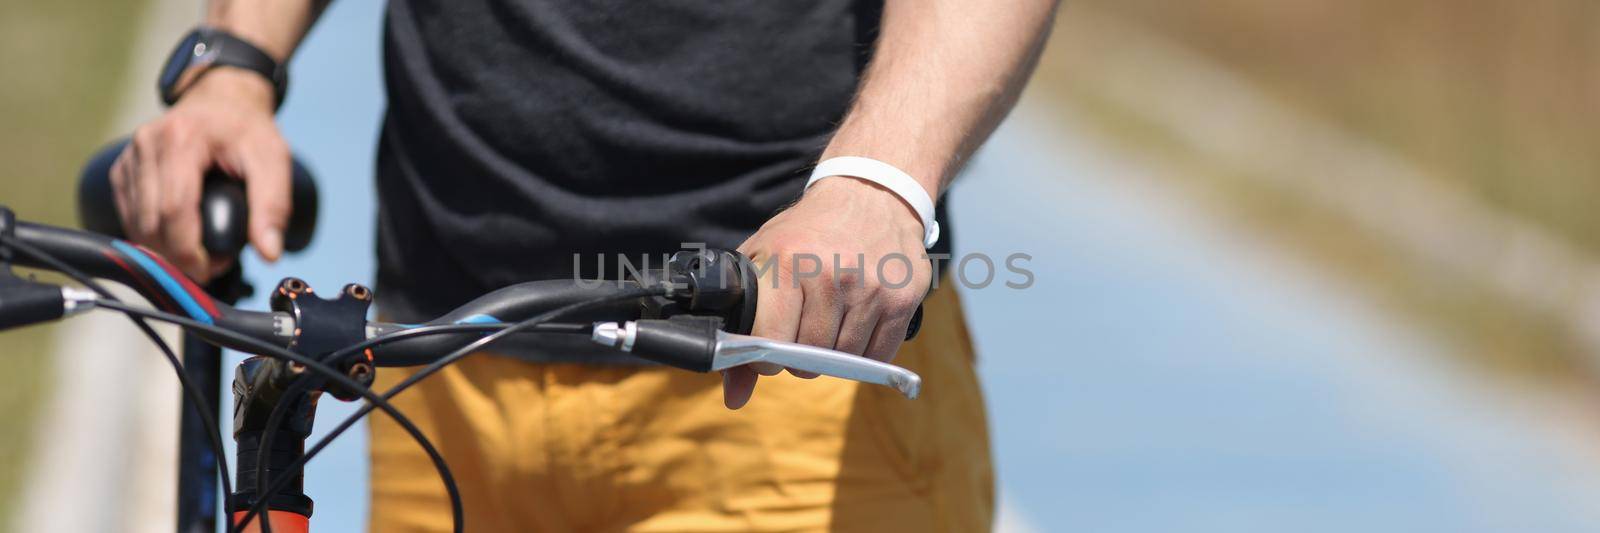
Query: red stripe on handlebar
{"points": [[194, 291], [164, 301]]}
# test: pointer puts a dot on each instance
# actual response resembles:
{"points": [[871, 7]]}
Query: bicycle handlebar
{"points": [[717, 288]]}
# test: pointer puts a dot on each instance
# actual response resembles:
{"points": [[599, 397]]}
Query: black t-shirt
{"points": [[520, 133]]}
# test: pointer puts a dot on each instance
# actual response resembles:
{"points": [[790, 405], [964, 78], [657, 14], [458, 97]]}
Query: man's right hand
{"points": [[224, 121]]}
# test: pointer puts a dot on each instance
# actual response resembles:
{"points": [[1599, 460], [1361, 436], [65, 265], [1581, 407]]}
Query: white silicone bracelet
{"points": [[881, 173]]}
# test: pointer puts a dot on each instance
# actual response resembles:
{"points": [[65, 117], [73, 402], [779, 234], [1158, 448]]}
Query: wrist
{"points": [[856, 194], [230, 85], [912, 193]]}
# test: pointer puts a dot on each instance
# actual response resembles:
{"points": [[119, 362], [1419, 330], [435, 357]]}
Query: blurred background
{"points": [[1313, 266]]}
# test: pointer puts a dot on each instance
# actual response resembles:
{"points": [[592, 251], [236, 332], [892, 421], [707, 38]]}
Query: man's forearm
{"points": [[275, 26], [943, 75]]}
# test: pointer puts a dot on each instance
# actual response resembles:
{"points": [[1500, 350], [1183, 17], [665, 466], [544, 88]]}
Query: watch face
{"points": [[181, 58]]}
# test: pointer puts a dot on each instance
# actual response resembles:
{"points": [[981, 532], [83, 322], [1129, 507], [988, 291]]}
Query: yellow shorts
{"points": [[562, 447]]}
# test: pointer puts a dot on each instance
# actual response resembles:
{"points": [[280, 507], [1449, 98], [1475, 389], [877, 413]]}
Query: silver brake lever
{"points": [[698, 346], [734, 350]]}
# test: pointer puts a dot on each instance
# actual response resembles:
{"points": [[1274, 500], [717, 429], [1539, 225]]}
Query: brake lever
{"points": [[698, 344], [733, 350]]}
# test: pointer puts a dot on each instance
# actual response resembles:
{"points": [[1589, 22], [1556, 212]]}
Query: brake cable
{"points": [[269, 349], [344, 425], [193, 393], [302, 385]]}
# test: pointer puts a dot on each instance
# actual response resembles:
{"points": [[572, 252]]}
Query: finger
{"points": [[145, 195], [820, 317], [887, 338], [121, 186], [855, 332], [821, 314], [264, 165], [182, 164], [738, 384], [778, 307], [777, 312]]}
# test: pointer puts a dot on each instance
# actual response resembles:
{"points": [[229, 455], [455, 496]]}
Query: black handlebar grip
{"points": [[224, 213], [684, 341]]}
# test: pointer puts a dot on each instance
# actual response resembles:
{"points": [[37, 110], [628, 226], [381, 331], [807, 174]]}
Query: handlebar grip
{"points": [[724, 282], [224, 213]]}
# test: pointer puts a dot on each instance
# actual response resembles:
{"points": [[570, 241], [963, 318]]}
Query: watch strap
{"points": [[215, 47]]}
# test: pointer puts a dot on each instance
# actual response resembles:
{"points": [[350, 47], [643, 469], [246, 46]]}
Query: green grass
{"points": [[64, 64]]}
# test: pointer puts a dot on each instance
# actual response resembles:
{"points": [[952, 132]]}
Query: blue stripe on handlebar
{"points": [[173, 288], [479, 318]]}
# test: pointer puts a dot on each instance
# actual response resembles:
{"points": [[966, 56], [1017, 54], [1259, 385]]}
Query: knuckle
{"points": [[823, 282], [145, 135], [900, 302], [828, 277], [851, 279], [789, 246], [119, 172], [782, 252], [175, 131], [276, 146], [875, 292], [265, 136]]}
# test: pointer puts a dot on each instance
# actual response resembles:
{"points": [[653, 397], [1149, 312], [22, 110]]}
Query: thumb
{"points": [[265, 167]]}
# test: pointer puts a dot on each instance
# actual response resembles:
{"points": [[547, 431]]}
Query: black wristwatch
{"points": [[206, 48]]}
